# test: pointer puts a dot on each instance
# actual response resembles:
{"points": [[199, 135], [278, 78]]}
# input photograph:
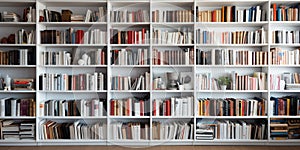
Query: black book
{"points": [[233, 14], [8, 107], [55, 16], [218, 57]]}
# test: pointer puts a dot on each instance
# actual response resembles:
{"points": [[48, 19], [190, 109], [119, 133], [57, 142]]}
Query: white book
{"points": [[137, 109], [2, 107], [100, 112], [237, 131], [185, 107], [172, 106], [296, 57], [14, 107]]}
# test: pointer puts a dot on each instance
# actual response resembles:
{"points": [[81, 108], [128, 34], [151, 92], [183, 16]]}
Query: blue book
{"points": [[279, 14], [73, 38]]}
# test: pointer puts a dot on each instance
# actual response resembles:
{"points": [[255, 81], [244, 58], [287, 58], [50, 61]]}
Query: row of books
{"points": [[25, 37], [231, 129], [129, 36], [64, 82], [17, 57], [206, 81], [284, 129], [285, 37], [174, 106], [281, 12], [78, 107], [129, 16], [29, 15], [130, 130], [142, 82], [182, 36], [17, 107], [127, 56], [9, 17], [184, 56], [17, 130], [231, 14], [172, 16], [234, 37], [231, 57], [282, 56], [73, 36], [75, 57], [66, 15], [285, 80], [129, 107], [77, 130], [258, 81], [287, 106], [178, 130], [232, 107]]}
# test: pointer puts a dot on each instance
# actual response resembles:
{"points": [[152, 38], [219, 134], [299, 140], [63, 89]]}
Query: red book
{"points": [[142, 108], [136, 37], [214, 16], [154, 108], [79, 36], [274, 12], [129, 39], [102, 58], [143, 35], [168, 107], [112, 109]]}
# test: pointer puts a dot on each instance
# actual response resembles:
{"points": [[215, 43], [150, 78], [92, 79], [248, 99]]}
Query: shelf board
{"points": [[172, 45], [285, 45], [232, 117], [172, 142], [172, 117], [71, 140], [127, 45], [129, 66], [232, 91], [285, 91], [292, 117], [233, 24], [284, 66], [18, 117], [73, 3], [129, 91], [285, 23], [72, 24], [230, 66], [72, 45], [230, 141], [128, 24], [17, 45], [168, 66], [73, 117], [172, 91], [17, 66], [231, 45], [129, 117], [214, 3], [17, 24], [172, 24], [73, 66], [77, 91], [19, 91]]}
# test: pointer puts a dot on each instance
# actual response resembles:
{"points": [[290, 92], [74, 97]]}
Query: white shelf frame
{"points": [[108, 93]]}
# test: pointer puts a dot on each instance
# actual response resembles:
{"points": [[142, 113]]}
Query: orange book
{"points": [[214, 16]]}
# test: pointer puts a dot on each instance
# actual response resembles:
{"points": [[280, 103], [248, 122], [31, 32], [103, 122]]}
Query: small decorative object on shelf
{"points": [[224, 82]]}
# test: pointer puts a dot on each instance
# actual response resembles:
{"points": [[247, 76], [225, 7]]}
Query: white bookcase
{"points": [[150, 95]]}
